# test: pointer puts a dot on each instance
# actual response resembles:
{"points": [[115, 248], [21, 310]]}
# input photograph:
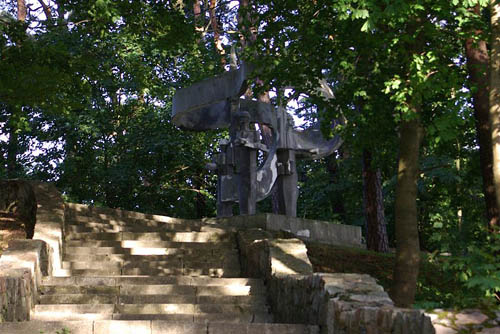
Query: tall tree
{"points": [[14, 122], [376, 232], [494, 96], [477, 63]]}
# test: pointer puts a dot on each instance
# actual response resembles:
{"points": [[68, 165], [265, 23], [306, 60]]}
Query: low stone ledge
{"points": [[306, 229], [50, 222], [21, 269], [25, 262]]}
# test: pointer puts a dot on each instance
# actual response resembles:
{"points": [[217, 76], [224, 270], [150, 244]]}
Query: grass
{"points": [[436, 288]]}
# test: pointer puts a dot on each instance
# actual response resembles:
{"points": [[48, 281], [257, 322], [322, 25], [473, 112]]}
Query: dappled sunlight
{"points": [[282, 268]]}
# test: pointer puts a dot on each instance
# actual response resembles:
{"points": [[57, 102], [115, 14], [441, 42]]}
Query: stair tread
{"points": [[151, 280], [156, 326], [154, 308], [150, 289], [53, 299], [202, 237]]}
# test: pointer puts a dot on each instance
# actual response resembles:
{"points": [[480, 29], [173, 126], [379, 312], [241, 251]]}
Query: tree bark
{"points": [[494, 96], [337, 201], [13, 122], [22, 11], [215, 27], [376, 233], [198, 19], [477, 64], [407, 241]]}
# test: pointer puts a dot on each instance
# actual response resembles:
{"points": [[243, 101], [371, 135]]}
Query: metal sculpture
{"points": [[216, 103]]}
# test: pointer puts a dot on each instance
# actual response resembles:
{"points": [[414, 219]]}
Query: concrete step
{"points": [[76, 289], [151, 244], [200, 282], [200, 237], [153, 308], [104, 227], [80, 211], [150, 299], [257, 290], [146, 269], [148, 244], [153, 327], [188, 308], [209, 271], [187, 255], [160, 262]]}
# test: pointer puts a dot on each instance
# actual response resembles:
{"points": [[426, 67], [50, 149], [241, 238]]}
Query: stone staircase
{"points": [[125, 272]]}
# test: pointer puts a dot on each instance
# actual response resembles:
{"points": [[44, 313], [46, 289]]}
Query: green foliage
{"points": [[62, 331], [470, 279], [90, 91]]}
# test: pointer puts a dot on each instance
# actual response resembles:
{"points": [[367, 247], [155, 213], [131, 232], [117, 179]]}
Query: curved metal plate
{"points": [[310, 143], [196, 107], [266, 177]]}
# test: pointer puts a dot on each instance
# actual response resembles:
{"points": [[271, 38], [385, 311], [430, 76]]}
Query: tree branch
{"points": [[46, 9]]}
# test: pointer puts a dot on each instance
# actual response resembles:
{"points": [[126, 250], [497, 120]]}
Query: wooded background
{"points": [[86, 89]]}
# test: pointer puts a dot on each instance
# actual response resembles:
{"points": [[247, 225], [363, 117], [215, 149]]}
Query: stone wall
{"points": [[305, 229], [22, 266], [24, 262], [50, 221], [338, 303]]}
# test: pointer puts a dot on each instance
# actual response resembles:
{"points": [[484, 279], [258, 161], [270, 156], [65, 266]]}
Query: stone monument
{"points": [[216, 103]]}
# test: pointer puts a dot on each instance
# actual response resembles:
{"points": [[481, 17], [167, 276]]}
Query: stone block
{"points": [[46, 327], [156, 308], [122, 327], [227, 328], [288, 257], [168, 327]]}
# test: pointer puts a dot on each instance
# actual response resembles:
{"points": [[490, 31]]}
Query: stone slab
{"points": [[122, 327], [307, 229], [168, 327], [47, 327]]}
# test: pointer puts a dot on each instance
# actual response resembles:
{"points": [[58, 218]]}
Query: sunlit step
{"points": [[165, 325], [175, 254], [157, 289], [152, 280], [151, 299], [174, 308], [211, 272], [170, 262], [213, 236], [148, 243]]}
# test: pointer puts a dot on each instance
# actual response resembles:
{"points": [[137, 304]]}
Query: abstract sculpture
{"points": [[216, 103]]}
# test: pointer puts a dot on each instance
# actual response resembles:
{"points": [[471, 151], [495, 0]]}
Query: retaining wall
{"points": [[24, 262], [305, 229], [338, 303]]}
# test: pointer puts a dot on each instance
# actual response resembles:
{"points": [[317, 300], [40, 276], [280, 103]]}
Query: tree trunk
{"points": [[198, 19], [337, 201], [21, 10], [215, 27], [376, 233], [13, 122], [494, 96], [407, 241], [477, 64]]}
